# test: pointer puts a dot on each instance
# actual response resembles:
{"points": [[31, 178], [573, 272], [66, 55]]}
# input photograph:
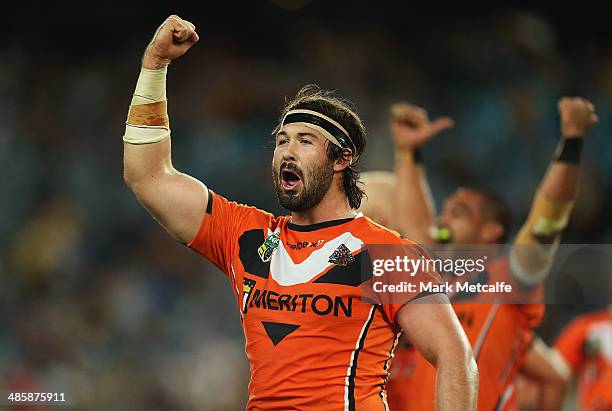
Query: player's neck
{"points": [[333, 206]]}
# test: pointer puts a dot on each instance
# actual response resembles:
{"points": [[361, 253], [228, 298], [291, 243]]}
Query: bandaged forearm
{"points": [[547, 219], [147, 120], [530, 264], [537, 242]]}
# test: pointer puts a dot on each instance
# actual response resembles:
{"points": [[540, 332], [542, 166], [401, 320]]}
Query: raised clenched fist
{"points": [[577, 116], [411, 128], [171, 40]]}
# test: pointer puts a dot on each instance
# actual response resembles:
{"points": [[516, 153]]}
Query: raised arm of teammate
{"points": [[554, 199], [176, 200], [548, 370], [414, 209], [446, 347]]}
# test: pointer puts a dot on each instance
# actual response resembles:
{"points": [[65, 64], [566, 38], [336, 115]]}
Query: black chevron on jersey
{"points": [[278, 331], [353, 274], [249, 242]]}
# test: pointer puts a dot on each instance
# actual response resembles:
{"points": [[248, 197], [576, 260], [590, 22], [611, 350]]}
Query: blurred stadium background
{"points": [[97, 301]]}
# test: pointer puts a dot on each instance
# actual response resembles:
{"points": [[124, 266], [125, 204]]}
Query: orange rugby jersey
{"points": [[586, 345], [311, 341], [499, 334], [401, 376]]}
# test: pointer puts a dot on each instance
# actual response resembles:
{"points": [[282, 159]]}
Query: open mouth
{"points": [[289, 179]]}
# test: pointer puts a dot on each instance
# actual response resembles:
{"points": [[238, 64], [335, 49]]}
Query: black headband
{"points": [[323, 122]]}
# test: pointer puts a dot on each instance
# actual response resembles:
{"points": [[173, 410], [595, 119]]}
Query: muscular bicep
{"points": [[432, 327], [177, 201]]}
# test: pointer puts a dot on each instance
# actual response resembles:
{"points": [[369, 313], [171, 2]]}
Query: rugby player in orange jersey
{"points": [[500, 334], [312, 342], [586, 346]]}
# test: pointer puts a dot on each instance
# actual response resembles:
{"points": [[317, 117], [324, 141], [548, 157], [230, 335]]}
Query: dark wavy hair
{"points": [[311, 97]]}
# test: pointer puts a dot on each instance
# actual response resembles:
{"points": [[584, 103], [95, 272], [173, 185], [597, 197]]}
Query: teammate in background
{"points": [[311, 341], [500, 334], [586, 347], [542, 373]]}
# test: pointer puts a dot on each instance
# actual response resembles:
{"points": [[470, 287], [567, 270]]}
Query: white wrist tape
{"points": [[145, 134], [150, 88]]}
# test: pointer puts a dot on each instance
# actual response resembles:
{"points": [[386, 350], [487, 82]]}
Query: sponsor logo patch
{"points": [[319, 304]]}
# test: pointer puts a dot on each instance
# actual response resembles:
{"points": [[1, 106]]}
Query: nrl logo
{"points": [[267, 248]]}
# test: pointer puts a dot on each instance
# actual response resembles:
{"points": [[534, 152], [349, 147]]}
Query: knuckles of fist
{"points": [[174, 31]]}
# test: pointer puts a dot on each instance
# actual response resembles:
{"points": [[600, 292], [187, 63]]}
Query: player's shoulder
{"points": [[374, 233], [242, 214]]}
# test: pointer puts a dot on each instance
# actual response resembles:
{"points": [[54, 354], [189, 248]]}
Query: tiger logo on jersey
{"points": [[342, 256]]}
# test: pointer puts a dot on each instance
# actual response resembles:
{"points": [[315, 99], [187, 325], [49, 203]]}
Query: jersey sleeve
{"points": [[221, 226], [408, 286], [570, 343]]}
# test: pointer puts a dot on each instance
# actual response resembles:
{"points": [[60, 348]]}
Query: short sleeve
{"points": [[570, 343], [404, 283], [221, 226]]}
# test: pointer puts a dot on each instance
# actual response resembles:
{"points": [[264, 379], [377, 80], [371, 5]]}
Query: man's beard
{"points": [[314, 186]]}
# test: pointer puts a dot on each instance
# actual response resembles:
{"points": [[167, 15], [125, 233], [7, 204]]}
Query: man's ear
{"points": [[343, 161], [491, 232]]}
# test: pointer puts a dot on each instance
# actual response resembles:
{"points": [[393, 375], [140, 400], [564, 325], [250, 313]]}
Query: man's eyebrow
{"points": [[304, 134], [308, 135]]}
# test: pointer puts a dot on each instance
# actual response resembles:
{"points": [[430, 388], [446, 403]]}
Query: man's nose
{"points": [[290, 151]]}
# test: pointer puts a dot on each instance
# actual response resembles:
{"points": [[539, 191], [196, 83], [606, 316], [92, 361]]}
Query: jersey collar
{"points": [[323, 224]]}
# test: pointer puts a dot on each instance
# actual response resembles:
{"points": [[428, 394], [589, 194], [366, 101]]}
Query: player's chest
{"points": [[299, 260], [313, 311], [307, 277], [265, 298]]}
